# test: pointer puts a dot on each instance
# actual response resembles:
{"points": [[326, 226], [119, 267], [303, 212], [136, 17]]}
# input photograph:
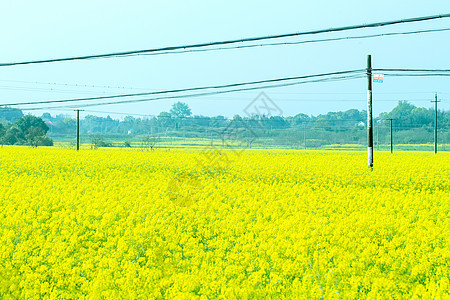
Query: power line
{"points": [[37, 89], [330, 100], [70, 108], [74, 85], [146, 89], [299, 42], [120, 113], [213, 93], [412, 70], [198, 94], [228, 42], [26, 88], [188, 89], [230, 91], [354, 76], [419, 75]]}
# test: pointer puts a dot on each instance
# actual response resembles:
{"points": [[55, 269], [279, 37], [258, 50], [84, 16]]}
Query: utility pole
{"points": [[369, 113], [392, 144], [435, 122], [78, 129]]}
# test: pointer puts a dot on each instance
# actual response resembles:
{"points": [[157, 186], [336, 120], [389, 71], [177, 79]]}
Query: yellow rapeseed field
{"points": [[188, 224]]}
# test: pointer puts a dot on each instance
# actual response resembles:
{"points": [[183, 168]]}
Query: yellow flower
{"points": [[263, 224]]}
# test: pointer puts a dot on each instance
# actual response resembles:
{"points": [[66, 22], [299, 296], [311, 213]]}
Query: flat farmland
{"points": [[223, 224]]}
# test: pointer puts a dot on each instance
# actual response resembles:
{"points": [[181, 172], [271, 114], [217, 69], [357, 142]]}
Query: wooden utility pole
{"points": [[369, 113], [78, 129], [435, 122], [392, 139]]}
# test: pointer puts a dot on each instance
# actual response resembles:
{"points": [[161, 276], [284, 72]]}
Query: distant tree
{"points": [[129, 123], [204, 121], [28, 128], [218, 121], [237, 118], [406, 114], [129, 120], [27, 122], [10, 114], [93, 123], [422, 116], [180, 110], [60, 117], [165, 119], [2, 133], [277, 122], [149, 143], [354, 115], [300, 119], [47, 117], [69, 124], [97, 141], [33, 136], [45, 141], [401, 113], [13, 136]]}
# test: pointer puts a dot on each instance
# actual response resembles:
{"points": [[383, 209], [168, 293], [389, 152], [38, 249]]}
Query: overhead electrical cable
{"points": [[71, 108], [189, 89], [229, 42], [90, 86], [210, 93], [419, 75], [296, 43], [410, 70]]}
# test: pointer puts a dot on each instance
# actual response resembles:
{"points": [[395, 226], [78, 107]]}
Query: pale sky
{"points": [[32, 30]]}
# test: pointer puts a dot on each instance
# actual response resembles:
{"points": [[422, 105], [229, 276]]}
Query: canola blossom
{"points": [[273, 224]]}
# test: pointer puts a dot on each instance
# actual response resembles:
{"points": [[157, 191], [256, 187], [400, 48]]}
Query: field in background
{"points": [[180, 142], [227, 224]]}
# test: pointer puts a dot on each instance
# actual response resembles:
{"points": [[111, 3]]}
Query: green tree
{"points": [[2, 133], [29, 121], [47, 117], [97, 141], [277, 122], [180, 110], [401, 113], [165, 119], [300, 119], [31, 129], [34, 136], [13, 136]]}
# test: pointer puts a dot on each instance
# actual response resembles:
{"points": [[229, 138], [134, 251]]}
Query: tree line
{"points": [[412, 125]]}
